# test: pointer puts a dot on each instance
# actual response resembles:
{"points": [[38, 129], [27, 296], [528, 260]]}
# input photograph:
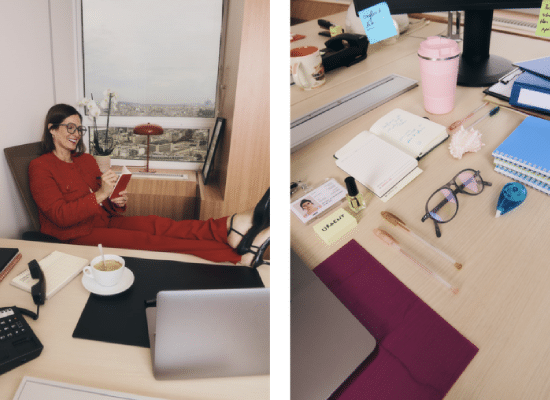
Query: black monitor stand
{"points": [[477, 67]]}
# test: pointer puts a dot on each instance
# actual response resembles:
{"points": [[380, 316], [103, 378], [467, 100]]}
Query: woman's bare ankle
{"points": [[247, 258], [241, 224]]}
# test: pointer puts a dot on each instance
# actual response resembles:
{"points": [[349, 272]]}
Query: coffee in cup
{"points": [[108, 273], [108, 265]]}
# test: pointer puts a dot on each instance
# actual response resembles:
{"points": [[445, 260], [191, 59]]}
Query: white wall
{"points": [[28, 88]]}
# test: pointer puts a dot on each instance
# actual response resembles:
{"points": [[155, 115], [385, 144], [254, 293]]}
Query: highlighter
{"points": [[511, 196]]}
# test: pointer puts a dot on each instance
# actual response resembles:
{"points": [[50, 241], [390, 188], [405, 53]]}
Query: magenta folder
{"points": [[418, 356]]}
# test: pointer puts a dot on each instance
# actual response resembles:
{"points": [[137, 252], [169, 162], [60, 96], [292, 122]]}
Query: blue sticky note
{"points": [[377, 22]]}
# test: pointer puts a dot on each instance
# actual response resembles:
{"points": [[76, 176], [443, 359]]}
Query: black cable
{"points": [[28, 313]]}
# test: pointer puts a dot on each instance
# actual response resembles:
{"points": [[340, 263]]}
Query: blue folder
{"points": [[531, 91], [540, 66]]}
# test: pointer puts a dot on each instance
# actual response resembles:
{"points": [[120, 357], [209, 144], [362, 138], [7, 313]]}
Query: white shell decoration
{"points": [[464, 141]]}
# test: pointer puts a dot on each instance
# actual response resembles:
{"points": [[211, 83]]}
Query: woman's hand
{"points": [[122, 200], [108, 181]]}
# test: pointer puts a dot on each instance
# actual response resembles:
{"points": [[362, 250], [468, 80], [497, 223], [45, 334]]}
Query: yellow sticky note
{"points": [[336, 225], [335, 30], [543, 26]]}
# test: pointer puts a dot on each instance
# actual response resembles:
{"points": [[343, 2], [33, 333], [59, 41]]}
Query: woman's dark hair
{"points": [[305, 201], [56, 115]]}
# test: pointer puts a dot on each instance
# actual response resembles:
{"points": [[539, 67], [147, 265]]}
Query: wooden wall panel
{"points": [[244, 151]]}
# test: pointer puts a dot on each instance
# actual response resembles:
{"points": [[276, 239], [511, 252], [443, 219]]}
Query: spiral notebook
{"points": [[524, 177], [528, 146]]}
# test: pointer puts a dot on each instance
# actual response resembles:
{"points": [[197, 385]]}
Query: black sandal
{"points": [[260, 221], [259, 250], [259, 254]]}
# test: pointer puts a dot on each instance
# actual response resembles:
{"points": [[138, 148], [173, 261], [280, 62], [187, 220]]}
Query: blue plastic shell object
{"points": [[511, 196]]}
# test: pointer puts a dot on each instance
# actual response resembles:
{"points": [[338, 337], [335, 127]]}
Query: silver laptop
{"points": [[209, 333], [327, 342]]}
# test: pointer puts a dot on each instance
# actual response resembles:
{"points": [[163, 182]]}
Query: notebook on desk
{"points": [[59, 269], [528, 146], [387, 154], [209, 333]]}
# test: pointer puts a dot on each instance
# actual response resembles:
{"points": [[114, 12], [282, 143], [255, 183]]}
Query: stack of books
{"points": [[527, 88], [531, 89], [524, 154]]}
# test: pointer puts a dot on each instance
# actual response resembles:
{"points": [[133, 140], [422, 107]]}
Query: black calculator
{"points": [[18, 343]]}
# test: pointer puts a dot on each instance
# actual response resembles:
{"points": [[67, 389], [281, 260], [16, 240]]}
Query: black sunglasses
{"points": [[442, 206]]}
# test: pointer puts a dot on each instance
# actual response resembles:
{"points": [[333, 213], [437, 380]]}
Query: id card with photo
{"points": [[318, 200]]}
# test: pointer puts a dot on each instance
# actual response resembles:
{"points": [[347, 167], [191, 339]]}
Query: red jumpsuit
{"points": [[68, 210]]}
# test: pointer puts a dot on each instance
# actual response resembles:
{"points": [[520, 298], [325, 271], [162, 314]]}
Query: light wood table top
{"points": [[503, 302], [99, 364]]}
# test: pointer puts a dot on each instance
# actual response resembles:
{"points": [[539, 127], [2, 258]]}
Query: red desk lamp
{"points": [[148, 129]]}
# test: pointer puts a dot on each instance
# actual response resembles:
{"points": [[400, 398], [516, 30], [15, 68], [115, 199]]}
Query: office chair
{"points": [[19, 158]]}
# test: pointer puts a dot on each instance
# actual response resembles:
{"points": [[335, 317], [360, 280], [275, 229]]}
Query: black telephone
{"points": [[38, 290], [18, 343], [344, 50]]}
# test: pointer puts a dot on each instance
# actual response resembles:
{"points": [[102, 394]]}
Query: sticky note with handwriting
{"points": [[377, 22], [543, 26], [336, 225]]}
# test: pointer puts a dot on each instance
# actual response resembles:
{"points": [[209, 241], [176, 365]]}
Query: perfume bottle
{"points": [[356, 200]]}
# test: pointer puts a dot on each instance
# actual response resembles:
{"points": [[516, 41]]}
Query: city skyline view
{"points": [[183, 145]]}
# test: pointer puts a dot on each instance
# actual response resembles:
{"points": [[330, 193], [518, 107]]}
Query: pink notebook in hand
{"points": [[420, 356]]}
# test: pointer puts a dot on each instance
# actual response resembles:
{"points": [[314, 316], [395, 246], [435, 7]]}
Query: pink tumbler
{"points": [[438, 71]]}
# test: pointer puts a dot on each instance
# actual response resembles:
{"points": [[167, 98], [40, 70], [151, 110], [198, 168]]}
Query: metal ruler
{"points": [[325, 119]]}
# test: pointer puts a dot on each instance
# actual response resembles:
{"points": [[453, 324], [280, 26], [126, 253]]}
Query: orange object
{"points": [[149, 130]]}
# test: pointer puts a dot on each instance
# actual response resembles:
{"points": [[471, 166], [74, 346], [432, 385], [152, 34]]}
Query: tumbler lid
{"points": [[438, 49]]}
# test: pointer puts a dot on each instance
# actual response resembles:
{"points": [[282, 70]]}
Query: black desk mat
{"points": [[121, 318]]}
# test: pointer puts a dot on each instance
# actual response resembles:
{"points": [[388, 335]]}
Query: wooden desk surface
{"points": [[503, 303], [98, 364]]}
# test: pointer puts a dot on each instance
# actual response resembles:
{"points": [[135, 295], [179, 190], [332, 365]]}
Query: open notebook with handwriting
{"points": [[386, 155]]}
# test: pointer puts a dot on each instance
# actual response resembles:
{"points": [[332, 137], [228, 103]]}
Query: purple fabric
{"points": [[419, 355]]}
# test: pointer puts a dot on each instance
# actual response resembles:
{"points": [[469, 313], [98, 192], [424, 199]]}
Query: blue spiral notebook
{"points": [[523, 178], [528, 146]]}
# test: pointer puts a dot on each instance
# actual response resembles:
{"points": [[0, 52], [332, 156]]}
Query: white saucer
{"points": [[124, 284]]}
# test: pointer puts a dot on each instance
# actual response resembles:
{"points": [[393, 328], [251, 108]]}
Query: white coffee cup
{"points": [[105, 278], [307, 67]]}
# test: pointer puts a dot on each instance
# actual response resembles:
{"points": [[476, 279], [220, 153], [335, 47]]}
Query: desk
{"points": [[98, 364], [503, 303]]}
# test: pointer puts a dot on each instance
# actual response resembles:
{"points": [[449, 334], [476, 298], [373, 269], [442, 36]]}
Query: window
{"points": [[162, 59]]}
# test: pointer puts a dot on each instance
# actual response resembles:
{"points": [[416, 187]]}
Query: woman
{"points": [[74, 206], [308, 206]]}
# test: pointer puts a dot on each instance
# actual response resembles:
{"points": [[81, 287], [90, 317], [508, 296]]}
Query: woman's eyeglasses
{"points": [[442, 206], [71, 128]]}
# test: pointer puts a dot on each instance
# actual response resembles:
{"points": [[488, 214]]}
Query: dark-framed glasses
{"points": [[71, 128], [442, 206]]}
